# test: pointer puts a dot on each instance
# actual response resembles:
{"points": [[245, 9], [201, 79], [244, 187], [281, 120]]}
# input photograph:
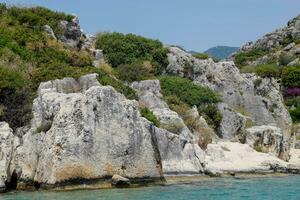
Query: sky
{"points": [[194, 24]]}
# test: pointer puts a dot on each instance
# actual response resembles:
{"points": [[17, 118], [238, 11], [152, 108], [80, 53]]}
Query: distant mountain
{"points": [[221, 52]]}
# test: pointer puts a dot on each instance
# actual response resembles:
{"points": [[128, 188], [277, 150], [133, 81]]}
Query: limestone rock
{"points": [[49, 31], [268, 138], [119, 181], [71, 32], [92, 132], [233, 123], [228, 157], [6, 148]]}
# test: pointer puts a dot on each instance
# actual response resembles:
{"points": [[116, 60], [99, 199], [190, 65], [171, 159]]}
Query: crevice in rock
{"points": [[12, 184]]}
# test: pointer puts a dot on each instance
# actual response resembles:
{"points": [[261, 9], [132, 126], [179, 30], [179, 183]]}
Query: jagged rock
{"points": [[71, 32], [229, 157], [98, 55], [294, 62], [150, 96], [289, 46], [6, 148], [92, 133], [267, 138], [88, 42], [49, 31], [178, 147], [178, 156], [233, 123], [255, 98], [119, 181]]}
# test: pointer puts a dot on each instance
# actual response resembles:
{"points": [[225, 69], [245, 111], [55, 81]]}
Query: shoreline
{"points": [[169, 180]]}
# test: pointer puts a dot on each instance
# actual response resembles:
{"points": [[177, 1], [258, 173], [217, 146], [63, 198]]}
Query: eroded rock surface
{"points": [[84, 131]]}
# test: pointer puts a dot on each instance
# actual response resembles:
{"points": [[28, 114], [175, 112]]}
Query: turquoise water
{"points": [[280, 188]]}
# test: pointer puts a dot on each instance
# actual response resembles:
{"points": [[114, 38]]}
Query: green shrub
{"points": [[135, 71], [201, 56], [126, 49], [187, 91], [248, 69], [128, 92], [43, 128], [241, 59], [211, 114], [293, 101], [291, 76], [268, 70], [145, 112], [10, 79], [295, 114], [285, 59]]}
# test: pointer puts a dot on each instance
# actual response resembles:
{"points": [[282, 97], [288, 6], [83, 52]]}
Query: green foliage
{"points": [[221, 52], [128, 92], [295, 114], [126, 49], [43, 128], [187, 91], [145, 112], [291, 76], [10, 79], [292, 101], [241, 59], [211, 114], [285, 59], [134, 72], [267, 70], [201, 56]]}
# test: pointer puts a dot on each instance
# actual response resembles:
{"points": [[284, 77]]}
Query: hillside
{"points": [[277, 54], [221, 52], [114, 109]]}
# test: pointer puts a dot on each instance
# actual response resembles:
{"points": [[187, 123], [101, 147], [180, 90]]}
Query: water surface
{"points": [[280, 188]]}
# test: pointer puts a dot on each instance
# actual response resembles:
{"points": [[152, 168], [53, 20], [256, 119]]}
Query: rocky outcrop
{"points": [[178, 146], [71, 32], [119, 181], [82, 131], [6, 144], [266, 138], [257, 99]]}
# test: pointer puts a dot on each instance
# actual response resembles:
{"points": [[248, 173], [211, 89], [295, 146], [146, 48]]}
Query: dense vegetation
{"points": [[242, 58], [29, 56], [181, 94], [221, 52], [121, 49], [145, 112]]}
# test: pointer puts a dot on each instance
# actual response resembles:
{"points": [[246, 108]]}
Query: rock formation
{"points": [[83, 131], [257, 100]]}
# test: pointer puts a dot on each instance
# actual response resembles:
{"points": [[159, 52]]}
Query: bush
{"points": [[268, 70], [135, 71], [241, 59], [293, 101], [285, 59], [291, 76], [145, 112], [128, 92], [187, 91], [211, 114], [201, 56], [295, 114], [126, 49]]}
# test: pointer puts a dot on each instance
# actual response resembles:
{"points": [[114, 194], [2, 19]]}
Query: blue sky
{"points": [[194, 24]]}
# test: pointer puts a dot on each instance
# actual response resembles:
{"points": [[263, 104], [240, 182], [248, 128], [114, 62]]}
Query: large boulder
{"points": [[6, 148], [84, 131]]}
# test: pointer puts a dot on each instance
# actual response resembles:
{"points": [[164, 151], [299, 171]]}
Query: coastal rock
{"points": [[83, 131], [178, 146], [119, 181], [232, 125], [267, 138], [229, 157], [258, 99], [6, 148]]}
